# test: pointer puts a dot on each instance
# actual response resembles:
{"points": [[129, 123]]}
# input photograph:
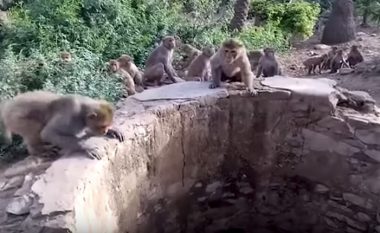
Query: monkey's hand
{"points": [[252, 91], [113, 133]]}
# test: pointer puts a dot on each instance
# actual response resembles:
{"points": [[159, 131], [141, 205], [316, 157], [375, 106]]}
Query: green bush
{"points": [[298, 17]]}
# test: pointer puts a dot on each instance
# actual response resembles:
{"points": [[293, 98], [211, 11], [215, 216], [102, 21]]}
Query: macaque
{"points": [[126, 63], [231, 63], [354, 56], [200, 67], [190, 54], [327, 62], [254, 57], [65, 56], [268, 65], [160, 62], [114, 67], [45, 120], [337, 61], [312, 63]]}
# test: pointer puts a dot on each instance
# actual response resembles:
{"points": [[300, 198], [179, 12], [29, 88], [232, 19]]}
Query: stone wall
{"points": [[292, 139]]}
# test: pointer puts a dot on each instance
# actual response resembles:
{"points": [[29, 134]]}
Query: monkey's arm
{"points": [[247, 77], [59, 132], [216, 75], [170, 70]]}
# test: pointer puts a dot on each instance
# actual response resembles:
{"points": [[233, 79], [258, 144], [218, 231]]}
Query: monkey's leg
{"points": [[309, 70], [247, 78], [216, 74]]}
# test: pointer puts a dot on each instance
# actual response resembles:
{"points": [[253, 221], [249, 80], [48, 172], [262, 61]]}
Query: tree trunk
{"points": [[340, 27], [240, 15], [365, 17]]}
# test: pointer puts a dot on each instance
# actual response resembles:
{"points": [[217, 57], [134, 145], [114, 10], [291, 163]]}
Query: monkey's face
{"points": [[65, 57], [113, 66], [98, 122], [230, 55], [169, 42], [208, 51]]}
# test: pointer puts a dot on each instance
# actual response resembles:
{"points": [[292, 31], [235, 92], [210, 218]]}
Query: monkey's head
{"points": [[99, 118], [125, 59], [269, 52], [334, 49], [231, 50], [66, 56], [113, 66], [208, 51], [169, 42], [354, 48]]}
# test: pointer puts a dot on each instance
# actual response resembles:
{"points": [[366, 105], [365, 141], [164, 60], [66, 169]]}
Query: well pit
{"points": [[199, 160]]}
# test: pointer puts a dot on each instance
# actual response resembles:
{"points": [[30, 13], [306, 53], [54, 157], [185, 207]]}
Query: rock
{"points": [[211, 188], [345, 71], [25, 166], [363, 217], [14, 182], [373, 35], [321, 47], [198, 185], [359, 39], [377, 229], [358, 100], [20, 205], [373, 154], [246, 190], [320, 188], [26, 187], [201, 199], [357, 200], [361, 34]]}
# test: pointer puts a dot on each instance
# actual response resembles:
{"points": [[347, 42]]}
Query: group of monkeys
{"points": [[334, 60], [231, 62], [50, 123]]}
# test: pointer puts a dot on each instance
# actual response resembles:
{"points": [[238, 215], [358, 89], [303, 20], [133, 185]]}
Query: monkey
{"points": [[231, 62], [126, 63], [160, 62], [190, 54], [65, 56], [337, 61], [254, 57], [44, 118], [327, 62], [268, 65], [200, 67], [114, 67], [312, 63], [354, 56]]}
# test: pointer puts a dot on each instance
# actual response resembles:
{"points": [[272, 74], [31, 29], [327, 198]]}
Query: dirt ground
{"points": [[368, 38]]}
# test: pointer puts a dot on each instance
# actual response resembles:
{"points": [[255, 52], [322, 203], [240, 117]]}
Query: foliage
{"points": [[369, 9], [297, 17]]}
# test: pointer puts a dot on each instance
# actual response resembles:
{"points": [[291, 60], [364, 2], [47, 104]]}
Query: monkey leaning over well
{"points": [[45, 120]]}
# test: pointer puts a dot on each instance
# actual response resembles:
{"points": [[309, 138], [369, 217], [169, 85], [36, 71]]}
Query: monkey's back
{"points": [[157, 56]]}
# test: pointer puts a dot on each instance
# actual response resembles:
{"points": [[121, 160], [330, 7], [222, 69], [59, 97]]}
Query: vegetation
{"points": [[369, 10], [95, 31]]}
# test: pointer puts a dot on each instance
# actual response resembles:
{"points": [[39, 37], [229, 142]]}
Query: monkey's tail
{"points": [[7, 134]]}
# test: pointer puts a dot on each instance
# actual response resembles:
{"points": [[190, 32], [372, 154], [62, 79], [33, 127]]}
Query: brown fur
{"points": [[200, 67], [337, 61], [45, 120], [126, 63], [254, 57], [160, 62], [312, 63], [231, 62], [268, 65], [114, 67], [190, 53], [327, 62], [354, 56]]}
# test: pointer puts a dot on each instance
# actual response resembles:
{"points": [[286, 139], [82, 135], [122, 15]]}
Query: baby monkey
{"points": [[45, 119], [65, 56], [200, 67], [268, 65], [126, 63], [114, 67], [312, 63]]}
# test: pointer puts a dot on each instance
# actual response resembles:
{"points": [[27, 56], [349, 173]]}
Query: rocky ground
{"points": [[368, 38]]}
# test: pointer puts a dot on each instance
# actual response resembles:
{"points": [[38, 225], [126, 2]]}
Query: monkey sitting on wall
{"points": [[354, 56], [114, 67], [254, 57], [126, 63], [200, 67], [312, 63], [45, 119], [231, 63], [190, 53], [268, 65], [160, 62]]}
